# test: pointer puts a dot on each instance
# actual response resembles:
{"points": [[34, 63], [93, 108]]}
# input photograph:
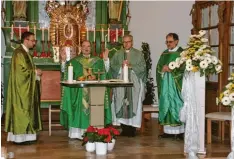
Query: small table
{"points": [[96, 90]]}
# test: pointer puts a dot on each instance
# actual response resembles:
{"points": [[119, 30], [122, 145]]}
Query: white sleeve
{"points": [[107, 64], [38, 78]]}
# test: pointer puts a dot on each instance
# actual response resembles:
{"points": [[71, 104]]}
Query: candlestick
{"points": [[12, 32], [108, 35], [87, 36], [28, 28], [35, 31], [116, 36], [20, 32], [102, 35], [48, 33], [42, 37], [123, 32], [79, 35], [94, 34]]}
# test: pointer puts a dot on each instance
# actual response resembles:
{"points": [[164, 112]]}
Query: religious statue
{"points": [[115, 9], [68, 31], [19, 10]]}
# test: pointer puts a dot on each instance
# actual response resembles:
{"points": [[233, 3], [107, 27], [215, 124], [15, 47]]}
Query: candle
{"points": [[48, 33], [42, 37], [102, 35], [70, 73], [28, 28], [116, 36], [12, 32], [20, 32], [79, 35], [108, 35], [35, 31], [125, 73], [87, 36], [123, 32], [94, 34], [57, 34]]}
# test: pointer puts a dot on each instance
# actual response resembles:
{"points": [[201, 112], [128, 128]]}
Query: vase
{"points": [[101, 148], [90, 146], [111, 145]]}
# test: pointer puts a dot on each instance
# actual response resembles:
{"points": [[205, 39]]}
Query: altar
{"points": [[96, 91]]}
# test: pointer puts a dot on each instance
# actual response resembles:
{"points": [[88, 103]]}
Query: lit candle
{"points": [[12, 32], [116, 36], [42, 37], [94, 34], [123, 32], [20, 32], [103, 35], [28, 28], [35, 31], [48, 33], [108, 35], [87, 36]]}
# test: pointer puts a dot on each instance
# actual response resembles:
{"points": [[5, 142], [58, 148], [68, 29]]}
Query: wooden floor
{"points": [[144, 146]]}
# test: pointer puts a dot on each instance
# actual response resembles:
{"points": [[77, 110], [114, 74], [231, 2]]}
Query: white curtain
{"points": [[205, 17], [214, 15]]}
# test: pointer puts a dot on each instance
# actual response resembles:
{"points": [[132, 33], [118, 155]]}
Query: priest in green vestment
{"points": [[127, 102], [23, 119], [169, 90], [75, 109]]}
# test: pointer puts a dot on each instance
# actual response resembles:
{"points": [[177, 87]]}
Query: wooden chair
{"points": [[53, 110], [217, 116], [147, 109]]}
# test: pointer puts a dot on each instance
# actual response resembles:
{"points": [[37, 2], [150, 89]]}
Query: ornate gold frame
{"points": [[66, 16]]}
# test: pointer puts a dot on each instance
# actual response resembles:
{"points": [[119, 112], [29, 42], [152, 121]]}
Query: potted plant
{"points": [[89, 138], [226, 98], [103, 137], [114, 133]]}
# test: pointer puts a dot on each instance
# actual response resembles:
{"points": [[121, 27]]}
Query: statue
{"points": [[19, 10], [115, 9]]}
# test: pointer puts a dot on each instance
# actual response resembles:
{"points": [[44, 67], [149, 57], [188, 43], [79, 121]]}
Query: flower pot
{"points": [[90, 146], [111, 145], [101, 148]]}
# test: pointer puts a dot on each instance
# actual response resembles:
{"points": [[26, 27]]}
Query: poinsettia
{"points": [[114, 132], [89, 135], [103, 135]]}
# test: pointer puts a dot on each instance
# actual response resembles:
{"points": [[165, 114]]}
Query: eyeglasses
{"points": [[127, 41], [31, 40], [169, 42]]}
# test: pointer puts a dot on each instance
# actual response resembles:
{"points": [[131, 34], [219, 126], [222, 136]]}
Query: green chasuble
{"points": [[169, 90], [128, 100], [75, 110], [23, 96]]}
